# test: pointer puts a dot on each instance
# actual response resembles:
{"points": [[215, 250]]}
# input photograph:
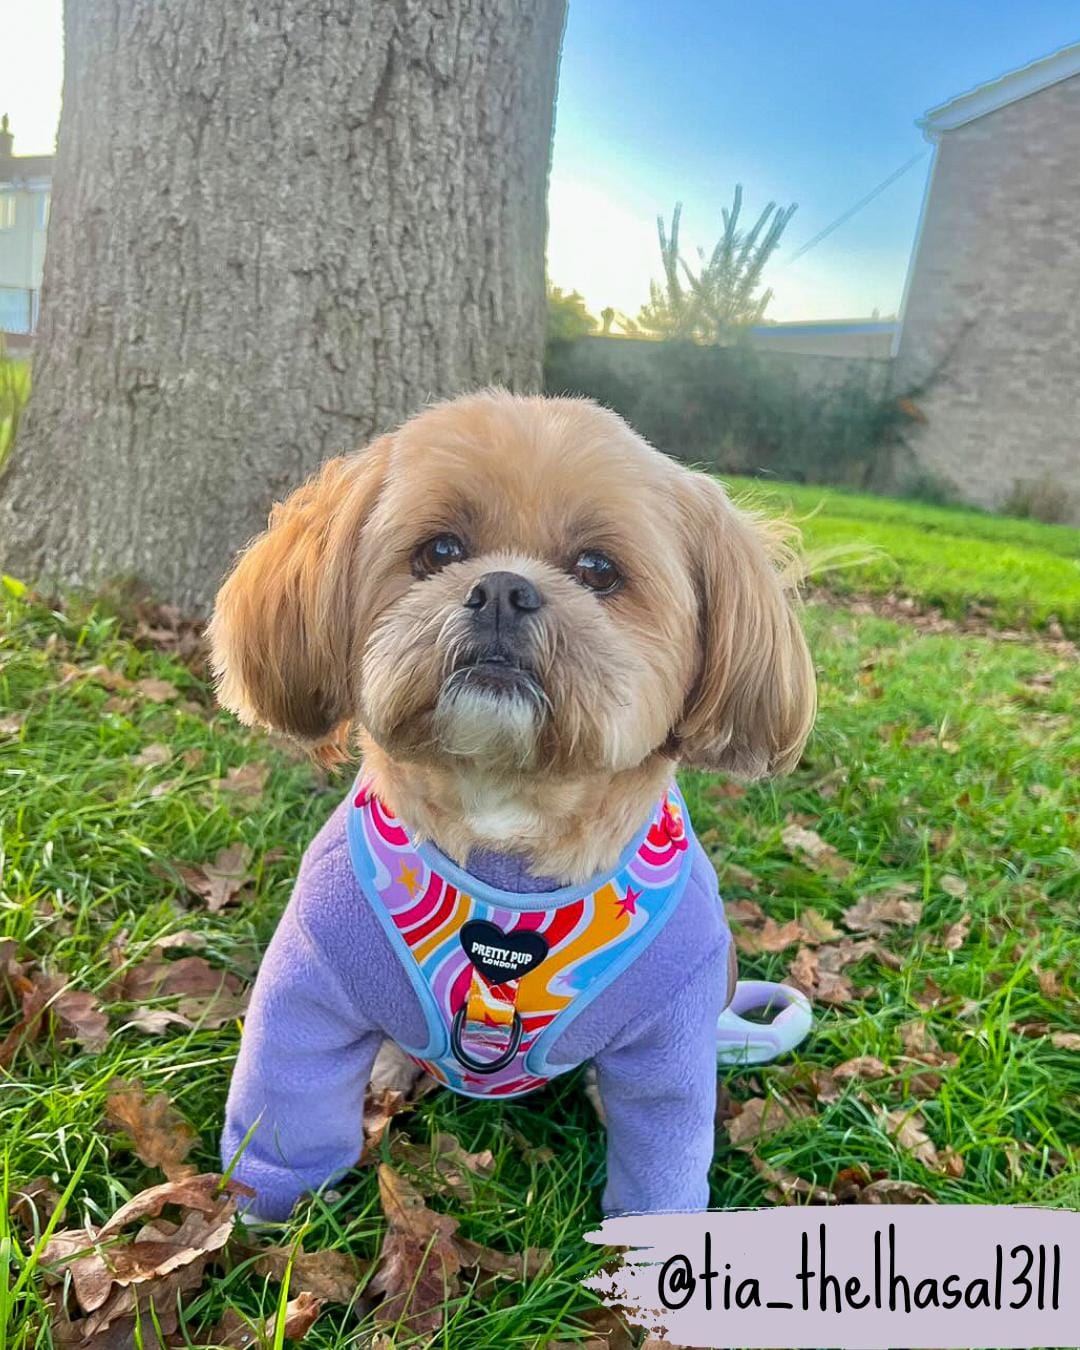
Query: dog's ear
{"points": [[752, 703], [285, 623]]}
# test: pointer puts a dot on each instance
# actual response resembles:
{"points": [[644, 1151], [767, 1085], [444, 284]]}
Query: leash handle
{"points": [[739, 1041]]}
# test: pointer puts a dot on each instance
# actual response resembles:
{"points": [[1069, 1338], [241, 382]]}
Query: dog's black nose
{"points": [[499, 596]]}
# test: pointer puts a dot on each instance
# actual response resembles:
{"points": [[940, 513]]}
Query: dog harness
{"points": [[499, 974]]}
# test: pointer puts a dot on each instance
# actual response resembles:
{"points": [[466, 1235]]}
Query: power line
{"points": [[854, 210]]}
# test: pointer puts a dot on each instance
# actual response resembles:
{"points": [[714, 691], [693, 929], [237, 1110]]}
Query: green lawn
{"points": [[961, 561], [944, 774]]}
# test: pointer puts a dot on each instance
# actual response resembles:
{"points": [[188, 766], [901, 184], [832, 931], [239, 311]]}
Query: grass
{"points": [[1024, 573], [14, 392], [948, 763]]}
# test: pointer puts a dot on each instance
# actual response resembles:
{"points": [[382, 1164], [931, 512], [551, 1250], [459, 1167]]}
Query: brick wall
{"points": [[994, 302]]}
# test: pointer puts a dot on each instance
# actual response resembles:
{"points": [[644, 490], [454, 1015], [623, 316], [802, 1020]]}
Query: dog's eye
{"points": [[597, 572], [438, 553]]}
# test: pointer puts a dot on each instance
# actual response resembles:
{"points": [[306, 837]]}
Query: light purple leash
{"points": [[741, 1042]]}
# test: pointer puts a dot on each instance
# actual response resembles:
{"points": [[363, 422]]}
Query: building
{"points": [[25, 188], [990, 324]]}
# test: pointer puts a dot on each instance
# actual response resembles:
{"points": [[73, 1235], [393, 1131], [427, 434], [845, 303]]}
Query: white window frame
{"points": [[42, 207], [8, 210]]}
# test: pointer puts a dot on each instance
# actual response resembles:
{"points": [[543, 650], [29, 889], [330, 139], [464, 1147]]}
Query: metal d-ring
{"points": [[480, 1065]]}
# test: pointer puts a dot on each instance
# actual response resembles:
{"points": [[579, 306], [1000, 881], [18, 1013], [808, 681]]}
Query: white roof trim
{"points": [[1007, 88]]}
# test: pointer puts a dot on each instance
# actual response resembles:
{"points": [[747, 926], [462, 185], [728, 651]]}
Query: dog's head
{"points": [[525, 584]]}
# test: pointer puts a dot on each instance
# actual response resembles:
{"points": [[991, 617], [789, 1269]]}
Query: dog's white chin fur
{"points": [[497, 726]]}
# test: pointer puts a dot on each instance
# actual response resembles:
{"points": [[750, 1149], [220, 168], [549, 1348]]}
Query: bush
{"points": [[14, 391], [739, 410], [1039, 499]]}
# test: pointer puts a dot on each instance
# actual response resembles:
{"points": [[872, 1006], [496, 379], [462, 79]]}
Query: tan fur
{"points": [[698, 656]]}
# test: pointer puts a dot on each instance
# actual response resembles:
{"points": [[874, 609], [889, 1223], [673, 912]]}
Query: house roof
{"points": [[1005, 89], [20, 168]]}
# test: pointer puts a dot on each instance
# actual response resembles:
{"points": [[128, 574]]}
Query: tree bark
{"points": [[278, 226]]}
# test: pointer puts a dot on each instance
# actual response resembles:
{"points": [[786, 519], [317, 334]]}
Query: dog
{"points": [[525, 618]]}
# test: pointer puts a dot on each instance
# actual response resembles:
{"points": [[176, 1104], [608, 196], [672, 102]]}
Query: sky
{"points": [[807, 101]]}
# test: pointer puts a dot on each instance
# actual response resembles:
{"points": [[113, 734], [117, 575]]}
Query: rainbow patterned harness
{"points": [[500, 975]]}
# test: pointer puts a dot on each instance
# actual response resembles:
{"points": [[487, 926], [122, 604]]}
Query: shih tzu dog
{"points": [[526, 618]]}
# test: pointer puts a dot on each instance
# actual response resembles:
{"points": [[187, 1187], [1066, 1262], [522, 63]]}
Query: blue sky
{"points": [[811, 101]]}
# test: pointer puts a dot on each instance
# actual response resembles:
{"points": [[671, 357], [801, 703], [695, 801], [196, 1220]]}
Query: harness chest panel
{"points": [[500, 975]]}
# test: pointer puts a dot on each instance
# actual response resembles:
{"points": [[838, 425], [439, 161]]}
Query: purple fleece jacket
{"points": [[331, 988]]}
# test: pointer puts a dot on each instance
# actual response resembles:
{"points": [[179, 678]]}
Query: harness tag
{"points": [[501, 957]]}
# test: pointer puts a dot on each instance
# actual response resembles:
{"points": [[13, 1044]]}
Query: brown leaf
{"points": [[887, 1191], [809, 972], [419, 1263], [785, 1188], [155, 1021], [906, 1127], [300, 1315], [953, 885], [880, 914], [1049, 983], [1065, 1040], [190, 977], [185, 939], [761, 1117], [81, 1019], [956, 934], [771, 937], [33, 1205], [246, 781], [330, 1276], [11, 723], [808, 847], [862, 1067], [160, 1136], [816, 928], [747, 912], [157, 691], [448, 1166], [219, 882], [153, 754], [203, 1193]]}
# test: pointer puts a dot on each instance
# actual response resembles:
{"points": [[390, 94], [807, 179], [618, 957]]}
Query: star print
{"points": [[409, 879], [628, 902]]}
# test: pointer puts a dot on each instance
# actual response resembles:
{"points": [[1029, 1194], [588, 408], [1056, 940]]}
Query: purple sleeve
{"points": [[304, 1062], [658, 1088]]}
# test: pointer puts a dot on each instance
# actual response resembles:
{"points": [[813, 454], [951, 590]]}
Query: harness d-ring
{"points": [[480, 1065]]}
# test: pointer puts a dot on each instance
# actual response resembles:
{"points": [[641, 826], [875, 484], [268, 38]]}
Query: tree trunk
{"points": [[278, 226]]}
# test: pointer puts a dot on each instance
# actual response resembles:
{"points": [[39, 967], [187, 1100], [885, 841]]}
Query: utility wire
{"points": [[854, 210]]}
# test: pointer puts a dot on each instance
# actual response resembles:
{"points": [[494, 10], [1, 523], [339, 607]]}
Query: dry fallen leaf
{"points": [[761, 1117], [157, 691], [221, 881], [785, 1188], [809, 973], [11, 723], [953, 885], [47, 999], [300, 1315], [117, 1277], [419, 1263], [330, 1276], [770, 937], [445, 1166], [907, 1128], [879, 914], [956, 934], [808, 847], [160, 1136], [153, 754], [246, 781], [1065, 1040], [34, 1204]]}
